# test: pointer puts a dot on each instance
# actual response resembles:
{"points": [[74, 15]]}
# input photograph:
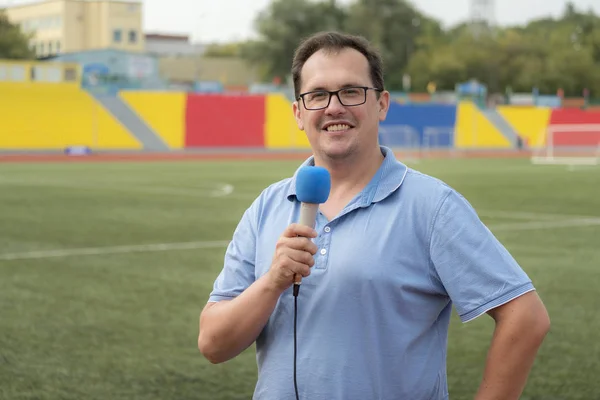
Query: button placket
{"points": [[323, 253]]}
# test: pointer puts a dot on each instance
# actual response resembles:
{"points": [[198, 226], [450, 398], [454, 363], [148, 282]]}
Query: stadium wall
{"points": [[224, 121], [571, 135], [164, 112], [281, 129], [407, 125], [529, 122], [53, 116], [473, 130]]}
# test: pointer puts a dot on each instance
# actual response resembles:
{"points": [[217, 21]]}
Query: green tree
{"points": [[546, 53], [282, 25], [223, 50], [395, 27], [14, 44]]}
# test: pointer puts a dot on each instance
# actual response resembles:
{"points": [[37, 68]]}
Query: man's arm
{"points": [[521, 326], [228, 327]]}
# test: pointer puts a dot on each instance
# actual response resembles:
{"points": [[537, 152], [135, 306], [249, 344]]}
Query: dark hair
{"points": [[335, 41]]}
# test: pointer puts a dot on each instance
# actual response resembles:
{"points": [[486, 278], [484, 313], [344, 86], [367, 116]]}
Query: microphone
{"points": [[312, 188]]}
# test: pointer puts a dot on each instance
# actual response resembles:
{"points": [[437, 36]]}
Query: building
{"points": [[234, 74], [60, 26], [114, 69], [171, 45]]}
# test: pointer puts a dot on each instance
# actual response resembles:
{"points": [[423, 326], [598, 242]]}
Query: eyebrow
{"points": [[347, 85]]}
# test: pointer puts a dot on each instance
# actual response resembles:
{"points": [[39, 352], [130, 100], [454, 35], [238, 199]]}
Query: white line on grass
{"points": [[94, 251], [223, 190], [91, 251], [529, 215], [533, 225], [551, 250], [209, 189]]}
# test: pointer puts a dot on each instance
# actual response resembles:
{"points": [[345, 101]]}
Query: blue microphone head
{"points": [[313, 184]]}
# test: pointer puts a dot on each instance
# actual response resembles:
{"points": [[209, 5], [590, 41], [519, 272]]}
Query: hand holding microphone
{"points": [[294, 250], [293, 255], [312, 188]]}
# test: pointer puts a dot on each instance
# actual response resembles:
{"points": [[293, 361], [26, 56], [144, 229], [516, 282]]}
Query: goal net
{"points": [[437, 139], [403, 139], [568, 145]]}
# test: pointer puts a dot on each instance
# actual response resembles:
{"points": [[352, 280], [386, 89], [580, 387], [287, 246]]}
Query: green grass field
{"points": [[88, 312]]}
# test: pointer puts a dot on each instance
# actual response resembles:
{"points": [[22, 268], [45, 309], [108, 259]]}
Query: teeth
{"points": [[338, 127]]}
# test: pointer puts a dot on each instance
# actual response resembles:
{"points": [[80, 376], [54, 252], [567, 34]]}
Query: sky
{"points": [[230, 20]]}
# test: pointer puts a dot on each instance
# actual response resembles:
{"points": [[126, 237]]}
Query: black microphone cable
{"points": [[296, 291]]}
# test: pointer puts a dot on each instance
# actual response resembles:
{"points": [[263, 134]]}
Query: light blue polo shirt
{"points": [[373, 315]]}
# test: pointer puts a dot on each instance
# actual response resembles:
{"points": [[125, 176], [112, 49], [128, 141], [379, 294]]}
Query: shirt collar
{"points": [[387, 179]]}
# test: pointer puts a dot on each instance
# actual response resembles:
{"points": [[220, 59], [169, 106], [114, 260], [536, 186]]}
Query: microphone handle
{"points": [[308, 214], [308, 217]]}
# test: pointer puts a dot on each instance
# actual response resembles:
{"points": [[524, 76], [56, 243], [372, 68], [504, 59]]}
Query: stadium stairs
{"points": [[134, 124], [502, 125]]}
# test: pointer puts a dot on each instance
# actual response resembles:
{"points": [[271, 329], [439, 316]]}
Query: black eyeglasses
{"points": [[348, 96]]}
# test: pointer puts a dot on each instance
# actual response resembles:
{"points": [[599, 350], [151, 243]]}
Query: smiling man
{"points": [[392, 251]]}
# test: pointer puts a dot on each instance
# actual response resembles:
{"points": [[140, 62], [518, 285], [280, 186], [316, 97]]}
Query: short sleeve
{"points": [[239, 262], [476, 270]]}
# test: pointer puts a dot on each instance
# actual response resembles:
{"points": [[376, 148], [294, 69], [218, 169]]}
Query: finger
{"points": [[298, 279], [300, 230], [295, 267], [298, 243], [301, 256]]}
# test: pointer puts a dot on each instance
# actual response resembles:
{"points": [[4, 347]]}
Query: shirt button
{"points": [[323, 251], [327, 229]]}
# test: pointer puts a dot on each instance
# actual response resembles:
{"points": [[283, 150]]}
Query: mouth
{"points": [[337, 128]]}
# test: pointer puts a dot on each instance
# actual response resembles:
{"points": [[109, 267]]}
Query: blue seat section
{"points": [[419, 125]]}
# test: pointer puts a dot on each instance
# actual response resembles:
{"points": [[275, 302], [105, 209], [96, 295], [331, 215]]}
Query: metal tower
{"points": [[483, 17]]}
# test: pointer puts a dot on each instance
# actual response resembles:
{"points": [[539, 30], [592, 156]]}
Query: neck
{"points": [[350, 175]]}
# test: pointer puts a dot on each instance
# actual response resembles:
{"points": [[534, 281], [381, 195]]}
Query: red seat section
{"points": [[224, 121], [575, 127]]}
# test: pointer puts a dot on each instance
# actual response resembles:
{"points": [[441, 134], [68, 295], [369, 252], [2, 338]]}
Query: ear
{"points": [[384, 104], [297, 115]]}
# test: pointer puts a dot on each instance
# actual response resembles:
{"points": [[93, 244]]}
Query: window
{"points": [[42, 23], [17, 73], [117, 36], [52, 74], [132, 36], [70, 74]]}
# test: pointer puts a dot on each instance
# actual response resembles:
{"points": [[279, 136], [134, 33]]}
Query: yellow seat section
{"points": [[281, 130], [530, 122], [57, 115], [474, 130], [164, 112]]}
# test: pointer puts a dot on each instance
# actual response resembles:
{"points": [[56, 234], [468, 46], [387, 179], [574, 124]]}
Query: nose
{"points": [[335, 107]]}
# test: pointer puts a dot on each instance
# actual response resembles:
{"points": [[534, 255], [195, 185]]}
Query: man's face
{"points": [[339, 131]]}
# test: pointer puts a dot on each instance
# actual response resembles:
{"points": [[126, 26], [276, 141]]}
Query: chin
{"points": [[338, 151]]}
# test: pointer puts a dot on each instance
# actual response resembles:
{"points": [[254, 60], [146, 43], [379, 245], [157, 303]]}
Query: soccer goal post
{"points": [[576, 144], [403, 139], [438, 139]]}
